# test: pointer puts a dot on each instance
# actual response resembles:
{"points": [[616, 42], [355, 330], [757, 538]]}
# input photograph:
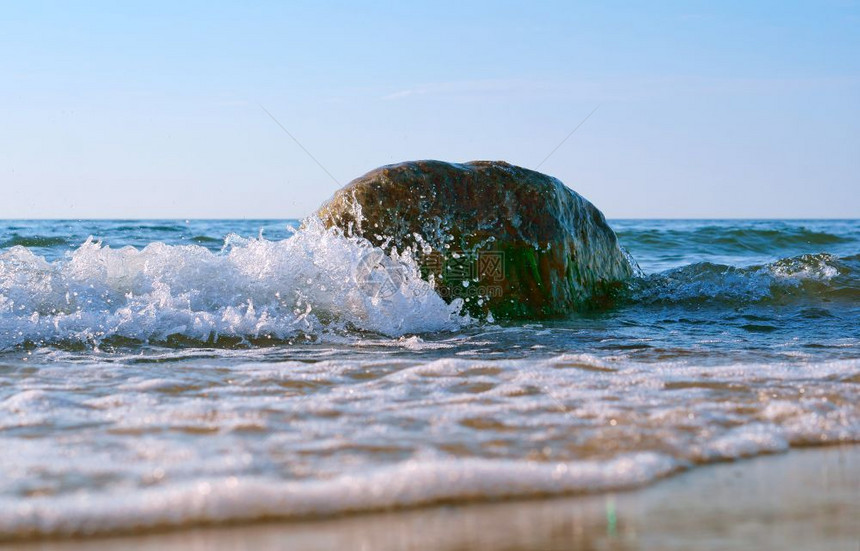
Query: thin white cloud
{"points": [[231, 103], [616, 89], [468, 88]]}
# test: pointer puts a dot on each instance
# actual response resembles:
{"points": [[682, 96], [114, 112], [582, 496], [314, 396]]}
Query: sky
{"points": [[156, 109]]}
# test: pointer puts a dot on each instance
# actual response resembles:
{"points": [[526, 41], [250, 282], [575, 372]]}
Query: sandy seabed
{"points": [[806, 499]]}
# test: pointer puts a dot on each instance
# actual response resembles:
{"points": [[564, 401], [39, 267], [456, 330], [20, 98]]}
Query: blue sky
{"points": [[152, 109]]}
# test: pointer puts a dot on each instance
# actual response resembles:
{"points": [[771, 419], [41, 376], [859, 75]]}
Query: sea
{"points": [[168, 373]]}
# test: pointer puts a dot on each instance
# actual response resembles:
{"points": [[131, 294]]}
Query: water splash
{"points": [[312, 284]]}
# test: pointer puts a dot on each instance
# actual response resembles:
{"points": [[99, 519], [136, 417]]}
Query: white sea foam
{"points": [[405, 485], [314, 282], [95, 447]]}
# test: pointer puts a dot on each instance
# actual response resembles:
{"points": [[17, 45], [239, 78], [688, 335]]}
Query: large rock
{"points": [[507, 240]]}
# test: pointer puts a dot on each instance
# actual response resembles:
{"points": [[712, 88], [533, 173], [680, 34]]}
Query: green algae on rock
{"points": [[510, 242]]}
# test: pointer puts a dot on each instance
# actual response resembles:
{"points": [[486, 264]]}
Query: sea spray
{"points": [[313, 283]]}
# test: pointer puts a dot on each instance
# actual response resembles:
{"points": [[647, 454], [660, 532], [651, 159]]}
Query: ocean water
{"points": [[168, 373]]}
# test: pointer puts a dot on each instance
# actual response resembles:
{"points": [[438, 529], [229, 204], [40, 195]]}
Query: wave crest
{"points": [[316, 282], [813, 277]]}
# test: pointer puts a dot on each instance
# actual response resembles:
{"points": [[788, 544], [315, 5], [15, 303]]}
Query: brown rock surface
{"points": [[507, 240]]}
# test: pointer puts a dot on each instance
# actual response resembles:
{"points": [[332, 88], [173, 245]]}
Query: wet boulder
{"points": [[510, 242]]}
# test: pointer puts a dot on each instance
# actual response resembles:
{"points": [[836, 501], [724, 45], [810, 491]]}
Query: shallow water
{"points": [[166, 373]]}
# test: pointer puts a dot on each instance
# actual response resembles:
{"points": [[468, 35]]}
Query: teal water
{"points": [[165, 373]]}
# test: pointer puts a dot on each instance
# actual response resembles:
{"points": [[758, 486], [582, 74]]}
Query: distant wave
{"points": [[730, 239], [150, 227], [810, 277], [203, 239], [32, 241]]}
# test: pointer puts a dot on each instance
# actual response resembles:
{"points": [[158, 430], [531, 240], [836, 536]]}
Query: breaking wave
{"points": [[316, 282], [808, 277]]}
